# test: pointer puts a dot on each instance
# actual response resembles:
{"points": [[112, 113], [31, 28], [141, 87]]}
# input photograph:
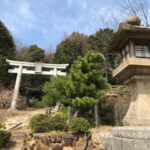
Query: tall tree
{"points": [[7, 45], [36, 53], [69, 49], [32, 53], [7, 51], [83, 88], [55, 91], [100, 40]]}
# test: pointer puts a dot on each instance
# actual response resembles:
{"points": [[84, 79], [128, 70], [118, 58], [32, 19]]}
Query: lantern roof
{"points": [[128, 30]]}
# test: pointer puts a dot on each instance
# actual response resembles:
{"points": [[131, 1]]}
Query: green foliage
{"points": [[113, 60], [7, 46], [39, 123], [43, 123], [2, 126], [73, 46], [34, 102], [7, 51], [55, 90], [88, 77], [4, 138], [36, 53], [83, 88], [63, 111], [5, 77], [99, 42], [101, 39], [80, 125], [106, 111], [84, 103], [58, 123], [33, 53]]}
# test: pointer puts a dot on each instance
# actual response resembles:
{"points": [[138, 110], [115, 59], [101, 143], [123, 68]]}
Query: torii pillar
{"points": [[16, 89]]}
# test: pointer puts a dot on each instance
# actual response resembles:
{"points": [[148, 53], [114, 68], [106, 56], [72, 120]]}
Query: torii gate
{"points": [[21, 68]]}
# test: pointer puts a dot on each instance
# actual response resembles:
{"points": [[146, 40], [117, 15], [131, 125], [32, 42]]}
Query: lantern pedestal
{"points": [[138, 113], [129, 138]]}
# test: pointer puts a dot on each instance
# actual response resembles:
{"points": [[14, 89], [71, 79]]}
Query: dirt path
{"points": [[21, 117]]}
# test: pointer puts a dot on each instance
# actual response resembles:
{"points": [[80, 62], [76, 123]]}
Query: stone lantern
{"points": [[133, 43]]}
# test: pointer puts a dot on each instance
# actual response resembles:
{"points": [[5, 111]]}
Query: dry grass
{"points": [[102, 129], [3, 115]]}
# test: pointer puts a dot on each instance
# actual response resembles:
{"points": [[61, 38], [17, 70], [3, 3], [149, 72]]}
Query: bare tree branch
{"points": [[137, 8]]}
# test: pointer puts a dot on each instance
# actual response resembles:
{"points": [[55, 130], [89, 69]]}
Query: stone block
{"points": [[129, 138], [127, 144]]}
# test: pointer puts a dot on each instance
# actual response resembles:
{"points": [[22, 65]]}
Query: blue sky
{"points": [[45, 22]]}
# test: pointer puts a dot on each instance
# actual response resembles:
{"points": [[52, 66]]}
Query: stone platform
{"points": [[129, 138]]}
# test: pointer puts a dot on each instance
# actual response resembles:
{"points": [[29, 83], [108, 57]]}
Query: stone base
{"points": [[129, 138], [138, 113]]}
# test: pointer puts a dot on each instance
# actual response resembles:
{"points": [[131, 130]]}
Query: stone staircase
{"points": [[17, 138]]}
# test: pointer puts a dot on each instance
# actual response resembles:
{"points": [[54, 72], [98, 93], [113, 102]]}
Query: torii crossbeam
{"points": [[37, 68]]}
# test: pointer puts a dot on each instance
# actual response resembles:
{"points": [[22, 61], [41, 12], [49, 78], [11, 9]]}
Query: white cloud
{"points": [[45, 21]]}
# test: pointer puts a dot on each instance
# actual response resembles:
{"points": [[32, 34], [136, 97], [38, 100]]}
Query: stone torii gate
{"points": [[32, 68]]}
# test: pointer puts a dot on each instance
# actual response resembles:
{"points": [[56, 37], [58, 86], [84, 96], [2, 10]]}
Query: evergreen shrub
{"points": [[4, 138], [79, 125], [39, 123], [43, 123]]}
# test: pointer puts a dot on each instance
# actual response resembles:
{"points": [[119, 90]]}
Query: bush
{"points": [[58, 122], [80, 125], [4, 138], [1, 125], [34, 102], [63, 112], [39, 123], [43, 123]]}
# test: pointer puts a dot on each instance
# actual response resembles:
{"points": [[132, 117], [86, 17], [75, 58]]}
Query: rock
{"points": [[67, 139], [57, 146], [37, 135], [40, 146], [80, 144], [31, 143], [90, 146], [29, 137], [45, 140], [25, 145], [98, 140], [55, 138]]}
